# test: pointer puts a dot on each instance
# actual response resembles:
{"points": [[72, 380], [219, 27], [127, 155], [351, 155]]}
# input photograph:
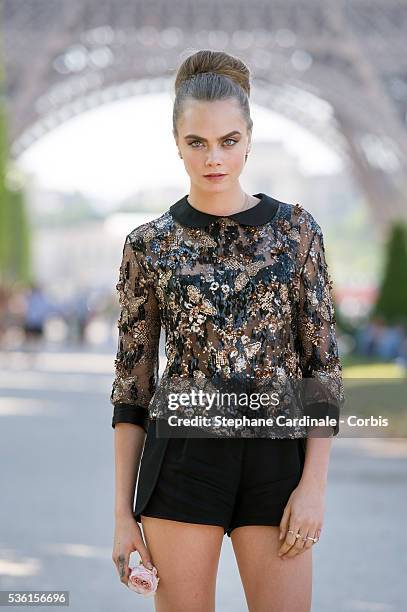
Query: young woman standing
{"points": [[240, 283]]}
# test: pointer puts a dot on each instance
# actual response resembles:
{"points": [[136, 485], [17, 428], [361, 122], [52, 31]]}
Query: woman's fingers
{"points": [[292, 544], [285, 521], [298, 545], [290, 538], [129, 538], [122, 564], [312, 533], [286, 545], [122, 561], [144, 554]]}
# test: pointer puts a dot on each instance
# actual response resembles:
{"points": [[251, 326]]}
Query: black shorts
{"points": [[228, 482]]}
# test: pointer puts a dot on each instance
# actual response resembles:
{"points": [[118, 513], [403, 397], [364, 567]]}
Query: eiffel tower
{"points": [[336, 67]]}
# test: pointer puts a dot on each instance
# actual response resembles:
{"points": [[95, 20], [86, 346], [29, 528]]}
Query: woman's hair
{"points": [[212, 75]]}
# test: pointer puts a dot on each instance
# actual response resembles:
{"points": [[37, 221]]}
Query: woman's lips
{"points": [[214, 177]]}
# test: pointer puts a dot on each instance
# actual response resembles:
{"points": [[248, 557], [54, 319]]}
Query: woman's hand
{"points": [[303, 514], [127, 539]]}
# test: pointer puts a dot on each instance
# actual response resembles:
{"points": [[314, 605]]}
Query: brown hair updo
{"points": [[212, 75]]}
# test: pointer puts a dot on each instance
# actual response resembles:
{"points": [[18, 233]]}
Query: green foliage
{"points": [[14, 229], [19, 253], [5, 236], [391, 304]]}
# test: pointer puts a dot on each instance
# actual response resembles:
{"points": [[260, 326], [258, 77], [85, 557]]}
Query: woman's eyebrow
{"points": [[235, 132]]}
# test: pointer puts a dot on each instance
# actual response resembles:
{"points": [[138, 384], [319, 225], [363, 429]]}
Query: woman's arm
{"points": [[129, 441], [321, 385], [136, 377], [304, 512], [137, 358], [322, 394], [315, 471]]}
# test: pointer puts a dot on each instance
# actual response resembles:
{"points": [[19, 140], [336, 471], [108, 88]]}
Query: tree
{"points": [[14, 227], [391, 303], [5, 238]]}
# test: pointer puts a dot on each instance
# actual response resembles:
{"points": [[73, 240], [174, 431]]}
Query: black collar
{"points": [[261, 213]]}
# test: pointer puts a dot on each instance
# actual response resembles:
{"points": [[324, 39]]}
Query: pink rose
{"points": [[143, 581]]}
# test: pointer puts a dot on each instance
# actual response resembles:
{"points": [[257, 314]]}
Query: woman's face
{"points": [[213, 138]]}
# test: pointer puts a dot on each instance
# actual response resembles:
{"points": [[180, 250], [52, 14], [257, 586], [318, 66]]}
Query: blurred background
{"points": [[87, 154]]}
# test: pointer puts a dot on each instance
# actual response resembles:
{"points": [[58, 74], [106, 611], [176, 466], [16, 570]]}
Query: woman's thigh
{"points": [[271, 584], [186, 556]]}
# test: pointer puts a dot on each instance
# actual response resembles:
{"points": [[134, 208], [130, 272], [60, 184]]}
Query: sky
{"points": [[113, 151]]}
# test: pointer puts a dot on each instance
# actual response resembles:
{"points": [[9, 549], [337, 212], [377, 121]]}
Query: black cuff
{"points": [[130, 413], [321, 410]]}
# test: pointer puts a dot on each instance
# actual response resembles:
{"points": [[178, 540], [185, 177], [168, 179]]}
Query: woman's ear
{"points": [[176, 144], [249, 145], [247, 150]]}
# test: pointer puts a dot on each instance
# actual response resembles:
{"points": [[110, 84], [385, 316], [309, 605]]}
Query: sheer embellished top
{"points": [[242, 296]]}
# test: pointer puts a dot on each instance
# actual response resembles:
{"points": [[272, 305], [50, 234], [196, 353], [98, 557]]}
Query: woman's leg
{"points": [[271, 584], [186, 556]]}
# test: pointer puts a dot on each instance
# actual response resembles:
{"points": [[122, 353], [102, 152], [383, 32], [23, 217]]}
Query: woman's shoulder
{"points": [[299, 214], [144, 233], [296, 217]]}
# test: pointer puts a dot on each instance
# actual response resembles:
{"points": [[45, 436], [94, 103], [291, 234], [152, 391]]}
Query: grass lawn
{"points": [[376, 388]]}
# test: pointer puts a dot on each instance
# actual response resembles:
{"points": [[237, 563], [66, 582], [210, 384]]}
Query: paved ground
{"points": [[57, 499]]}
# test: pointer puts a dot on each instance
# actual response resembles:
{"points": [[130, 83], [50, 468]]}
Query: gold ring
{"points": [[313, 539], [297, 535]]}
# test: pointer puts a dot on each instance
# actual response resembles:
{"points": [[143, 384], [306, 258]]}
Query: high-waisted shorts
{"points": [[229, 482]]}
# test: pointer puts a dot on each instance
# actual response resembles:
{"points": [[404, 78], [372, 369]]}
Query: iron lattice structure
{"points": [[337, 67]]}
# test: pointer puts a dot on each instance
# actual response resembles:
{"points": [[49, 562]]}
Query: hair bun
{"points": [[207, 61], [208, 76]]}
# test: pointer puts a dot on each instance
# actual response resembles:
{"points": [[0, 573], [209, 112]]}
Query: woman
{"points": [[240, 283]]}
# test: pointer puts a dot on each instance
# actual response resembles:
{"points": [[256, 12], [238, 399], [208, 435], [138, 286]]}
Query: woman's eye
{"points": [[191, 144]]}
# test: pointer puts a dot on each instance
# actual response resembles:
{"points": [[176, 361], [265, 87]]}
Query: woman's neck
{"points": [[221, 203]]}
